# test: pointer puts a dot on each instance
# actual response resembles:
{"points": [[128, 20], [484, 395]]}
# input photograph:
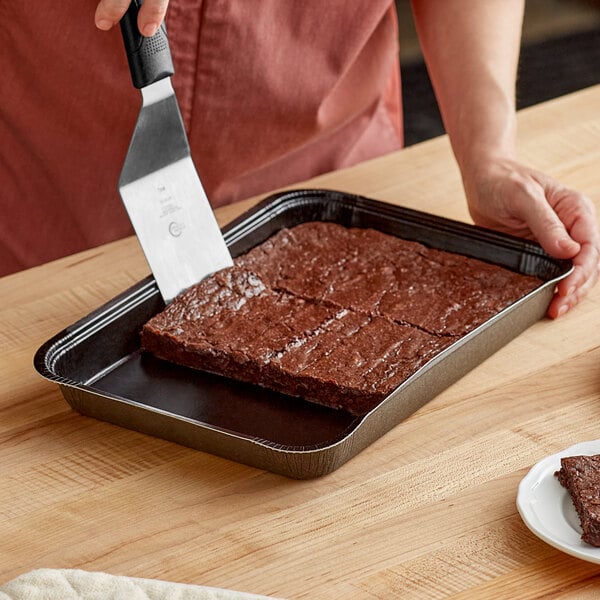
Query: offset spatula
{"points": [[159, 185]]}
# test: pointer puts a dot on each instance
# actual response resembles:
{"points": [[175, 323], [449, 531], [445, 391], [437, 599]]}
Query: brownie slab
{"points": [[338, 316], [580, 476]]}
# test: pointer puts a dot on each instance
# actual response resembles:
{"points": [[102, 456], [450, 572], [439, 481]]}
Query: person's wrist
{"points": [[481, 166], [481, 142], [480, 155]]}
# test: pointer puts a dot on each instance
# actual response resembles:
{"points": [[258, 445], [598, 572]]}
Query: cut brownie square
{"points": [[580, 475]]}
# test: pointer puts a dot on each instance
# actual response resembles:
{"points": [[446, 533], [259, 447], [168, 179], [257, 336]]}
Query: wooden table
{"points": [[428, 511]]}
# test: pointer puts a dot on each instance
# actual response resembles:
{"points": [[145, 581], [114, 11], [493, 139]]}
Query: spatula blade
{"points": [[159, 184], [165, 200]]}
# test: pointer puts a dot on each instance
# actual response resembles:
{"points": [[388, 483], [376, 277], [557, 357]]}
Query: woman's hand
{"points": [[508, 196], [150, 17]]}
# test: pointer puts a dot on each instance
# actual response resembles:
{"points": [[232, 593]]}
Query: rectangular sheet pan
{"points": [[101, 372]]}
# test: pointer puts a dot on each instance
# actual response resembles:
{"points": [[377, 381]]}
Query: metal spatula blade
{"points": [[159, 184]]}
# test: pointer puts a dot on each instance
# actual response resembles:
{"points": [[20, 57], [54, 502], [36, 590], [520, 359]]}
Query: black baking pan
{"points": [[102, 373]]}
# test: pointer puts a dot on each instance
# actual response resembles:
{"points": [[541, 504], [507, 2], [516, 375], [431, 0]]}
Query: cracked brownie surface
{"points": [[580, 476], [339, 316]]}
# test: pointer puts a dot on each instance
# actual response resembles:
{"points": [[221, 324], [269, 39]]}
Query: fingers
{"points": [[578, 214], [572, 289], [554, 238], [576, 286], [514, 198], [110, 12], [547, 225], [564, 223], [151, 15], [585, 266]]}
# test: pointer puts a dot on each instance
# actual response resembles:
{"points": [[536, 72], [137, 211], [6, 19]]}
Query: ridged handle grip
{"points": [[149, 58]]}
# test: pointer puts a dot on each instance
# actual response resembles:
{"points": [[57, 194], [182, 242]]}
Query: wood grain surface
{"points": [[427, 511]]}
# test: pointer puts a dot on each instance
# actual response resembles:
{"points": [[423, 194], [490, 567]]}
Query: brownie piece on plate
{"points": [[580, 475]]}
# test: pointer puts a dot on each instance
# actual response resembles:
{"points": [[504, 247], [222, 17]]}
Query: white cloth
{"points": [[74, 584]]}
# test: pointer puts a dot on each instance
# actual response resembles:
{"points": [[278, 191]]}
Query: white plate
{"points": [[546, 508]]}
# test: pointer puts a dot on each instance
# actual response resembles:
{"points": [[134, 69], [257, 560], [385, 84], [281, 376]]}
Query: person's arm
{"points": [[471, 49], [151, 15]]}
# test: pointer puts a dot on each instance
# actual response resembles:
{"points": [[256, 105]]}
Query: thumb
{"points": [[549, 230]]}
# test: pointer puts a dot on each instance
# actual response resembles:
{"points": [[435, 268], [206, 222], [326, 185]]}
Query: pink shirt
{"points": [[272, 92]]}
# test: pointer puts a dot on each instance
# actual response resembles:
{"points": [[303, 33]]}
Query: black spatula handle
{"points": [[149, 57]]}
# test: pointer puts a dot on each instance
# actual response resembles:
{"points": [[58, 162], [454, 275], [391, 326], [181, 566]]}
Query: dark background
{"points": [[560, 53]]}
